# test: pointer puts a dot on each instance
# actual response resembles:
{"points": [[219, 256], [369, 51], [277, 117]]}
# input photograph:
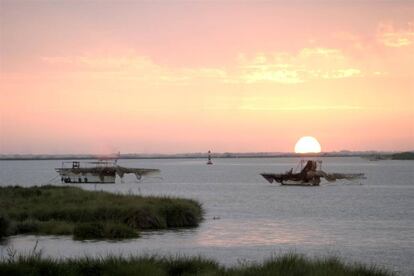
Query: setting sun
{"points": [[307, 144]]}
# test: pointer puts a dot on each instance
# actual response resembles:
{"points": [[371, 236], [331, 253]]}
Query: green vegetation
{"points": [[4, 225], [96, 230], [53, 210], [287, 265], [409, 155], [403, 156]]}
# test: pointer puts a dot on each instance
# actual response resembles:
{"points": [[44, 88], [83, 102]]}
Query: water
{"points": [[248, 219]]}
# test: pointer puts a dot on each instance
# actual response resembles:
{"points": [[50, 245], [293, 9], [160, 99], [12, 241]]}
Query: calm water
{"points": [[248, 219]]}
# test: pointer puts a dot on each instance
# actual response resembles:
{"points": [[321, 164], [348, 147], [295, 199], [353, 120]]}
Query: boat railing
{"points": [[88, 164]]}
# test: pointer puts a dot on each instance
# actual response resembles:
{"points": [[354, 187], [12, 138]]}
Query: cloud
{"points": [[351, 40], [252, 107], [308, 64], [280, 67], [133, 67], [389, 36]]}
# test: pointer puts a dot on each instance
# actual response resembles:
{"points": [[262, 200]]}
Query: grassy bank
{"points": [[84, 214], [403, 156], [285, 265], [409, 155]]}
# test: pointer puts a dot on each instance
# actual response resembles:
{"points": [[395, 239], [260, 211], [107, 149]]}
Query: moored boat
{"points": [[309, 175], [97, 171]]}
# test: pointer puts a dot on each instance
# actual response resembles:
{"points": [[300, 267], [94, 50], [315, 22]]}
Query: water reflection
{"points": [[233, 233], [371, 223]]}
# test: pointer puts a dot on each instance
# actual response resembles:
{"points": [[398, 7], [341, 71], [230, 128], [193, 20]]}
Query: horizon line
{"points": [[206, 152]]}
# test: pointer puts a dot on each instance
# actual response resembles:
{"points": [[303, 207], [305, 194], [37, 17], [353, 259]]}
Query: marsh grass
{"points": [[403, 156], [97, 230], [296, 264], [4, 225], [286, 265], [53, 210]]}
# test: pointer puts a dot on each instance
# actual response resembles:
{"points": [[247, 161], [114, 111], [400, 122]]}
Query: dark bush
{"points": [[119, 231], [26, 227], [89, 231], [178, 215], [4, 225], [92, 215], [97, 231], [144, 219]]}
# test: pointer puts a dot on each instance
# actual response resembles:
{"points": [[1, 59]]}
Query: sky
{"points": [[192, 76]]}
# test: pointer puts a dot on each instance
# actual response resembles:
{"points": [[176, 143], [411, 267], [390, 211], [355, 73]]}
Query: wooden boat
{"points": [[309, 175], [97, 172]]}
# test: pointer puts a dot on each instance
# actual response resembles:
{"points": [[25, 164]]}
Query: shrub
{"points": [[4, 225], [87, 231], [55, 210], [26, 227], [178, 216], [97, 231], [119, 231]]}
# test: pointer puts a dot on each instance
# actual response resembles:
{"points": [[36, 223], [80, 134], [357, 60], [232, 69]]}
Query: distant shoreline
{"points": [[373, 156]]}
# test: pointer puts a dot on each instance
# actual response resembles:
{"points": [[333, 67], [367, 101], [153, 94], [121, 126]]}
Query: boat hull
{"points": [[101, 172], [296, 183], [292, 179], [70, 177]]}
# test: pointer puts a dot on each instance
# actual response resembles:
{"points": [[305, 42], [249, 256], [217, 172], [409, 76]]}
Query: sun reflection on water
{"points": [[230, 233]]}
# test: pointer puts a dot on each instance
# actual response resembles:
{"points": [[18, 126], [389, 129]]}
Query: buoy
{"points": [[209, 162]]}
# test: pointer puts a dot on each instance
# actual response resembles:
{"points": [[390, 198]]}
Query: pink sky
{"points": [[179, 76]]}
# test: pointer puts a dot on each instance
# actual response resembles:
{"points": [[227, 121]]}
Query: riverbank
{"points": [[53, 210], [290, 264]]}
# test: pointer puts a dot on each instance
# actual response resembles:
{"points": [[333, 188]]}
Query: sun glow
{"points": [[307, 144]]}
